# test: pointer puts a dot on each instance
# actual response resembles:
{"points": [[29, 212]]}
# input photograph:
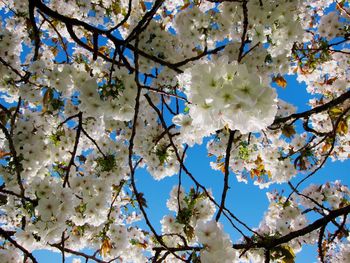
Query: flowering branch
{"points": [[8, 237], [274, 242], [75, 148]]}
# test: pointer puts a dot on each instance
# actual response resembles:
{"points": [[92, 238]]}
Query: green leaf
{"points": [[162, 154], [56, 104], [335, 112], [56, 137], [243, 151], [116, 7], [184, 216], [106, 163]]}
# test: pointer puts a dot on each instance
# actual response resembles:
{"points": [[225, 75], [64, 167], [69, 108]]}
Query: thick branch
{"points": [[269, 244], [36, 35], [317, 109]]}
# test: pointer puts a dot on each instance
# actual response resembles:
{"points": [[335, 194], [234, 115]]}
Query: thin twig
{"points": [[227, 173], [75, 148], [94, 142], [7, 236], [131, 147], [190, 174]]}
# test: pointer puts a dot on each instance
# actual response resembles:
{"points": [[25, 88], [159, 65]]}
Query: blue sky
{"points": [[247, 201]]}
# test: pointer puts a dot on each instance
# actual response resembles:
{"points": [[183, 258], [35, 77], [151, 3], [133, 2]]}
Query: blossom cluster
{"points": [[226, 95], [92, 92]]}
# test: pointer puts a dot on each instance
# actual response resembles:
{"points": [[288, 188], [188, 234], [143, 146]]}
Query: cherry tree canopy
{"points": [[93, 92]]}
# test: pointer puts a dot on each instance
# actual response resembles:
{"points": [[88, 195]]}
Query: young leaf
{"points": [[280, 81], [189, 231], [342, 128], [288, 131], [105, 247], [48, 95]]}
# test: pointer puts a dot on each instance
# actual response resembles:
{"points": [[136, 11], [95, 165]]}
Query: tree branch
{"points": [[227, 173], [7, 236], [342, 98], [269, 244], [77, 137]]}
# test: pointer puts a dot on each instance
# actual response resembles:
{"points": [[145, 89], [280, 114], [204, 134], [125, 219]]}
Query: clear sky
{"points": [[246, 201]]}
